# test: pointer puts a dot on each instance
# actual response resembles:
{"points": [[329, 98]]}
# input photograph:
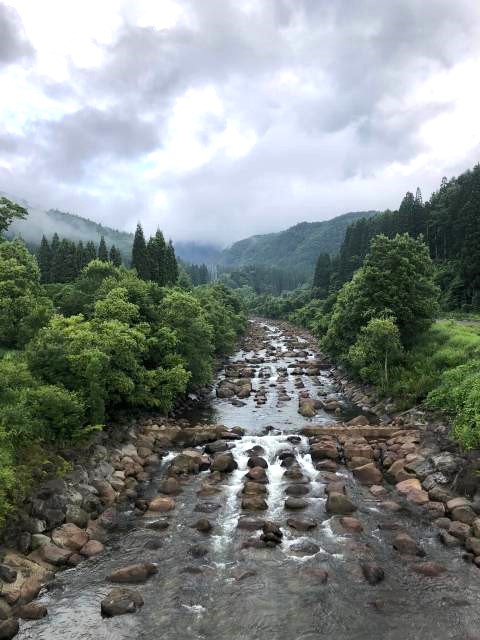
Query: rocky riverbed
{"points": [[286, 508]]}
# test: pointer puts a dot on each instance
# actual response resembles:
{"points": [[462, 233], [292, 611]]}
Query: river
{"points": [[216, 587]]}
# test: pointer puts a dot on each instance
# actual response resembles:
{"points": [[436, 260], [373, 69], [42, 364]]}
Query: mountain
{"points": [[40, 222], [296, 248]]}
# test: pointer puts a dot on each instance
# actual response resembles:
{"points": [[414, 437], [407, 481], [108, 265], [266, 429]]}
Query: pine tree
{"points": [[45, 260], [81, 256], [90, 252], [102, 250], [55, 266], [322, 276], [157, 259], [140, 260], [115, 256], [172, 266]]}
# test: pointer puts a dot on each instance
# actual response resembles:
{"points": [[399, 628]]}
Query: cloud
{"points": [[13, 44], [223, 118]]}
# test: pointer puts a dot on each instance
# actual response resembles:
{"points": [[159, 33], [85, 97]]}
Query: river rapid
{"points": [[223, 586]]}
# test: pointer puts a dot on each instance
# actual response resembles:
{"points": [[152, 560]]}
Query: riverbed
{"points": [[222, 586]]}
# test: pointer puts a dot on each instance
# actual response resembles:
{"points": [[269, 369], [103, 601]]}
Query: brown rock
{"points": [[304, 524], [257, 474], [254, 503], [203, 525], [92, 548], [405, 544], [32, 611], [463, 514], [338, 503], [295, 503], [170, 486], [351, 524], [459, 530], [429, 569], [418, 497], [372, 572], [8, 629], [406, 486], [368, 475], [133, 573], [162, 504], [69, 536], [473, 544], [54, 555], [378, 491], [120, 601]]}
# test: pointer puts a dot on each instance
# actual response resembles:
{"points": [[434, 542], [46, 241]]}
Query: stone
{"points": [[448, 540], [459, 530], [7, 574], [421, 467], [340, 504], [368, 474], [372, 572], [8, 629], [351, 524], [198, 551], [476, 527], [203, 525], [326, 465], [406, 486], [52, 554], [359, 421], [435, 509], [69, 536], [224, 462], [5, 610], [76, 515], [463, 514], [92, 548], [170, 486], [440, 494], [378, 491], [317, 574], [133, 573], [297, 490], [428, 569], [254, 488], [445, 462], [32, 611], [405, 544], [304, 548], [121, 601], [257, 461], [159, 525], [295, 503], [254, 503], [257, 474], [305, 524], [473, 544], [321, 450], [162, 504], [419, 497]]}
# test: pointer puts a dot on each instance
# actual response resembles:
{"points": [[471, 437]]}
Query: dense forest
{"points": [[74, 353]]}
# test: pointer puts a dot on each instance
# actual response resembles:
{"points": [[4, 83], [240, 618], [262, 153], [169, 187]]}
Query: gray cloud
{"points": [[13, 44], [325, 85]]}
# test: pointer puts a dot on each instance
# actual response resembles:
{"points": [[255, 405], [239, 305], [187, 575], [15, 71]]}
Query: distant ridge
{"points": [[295, 248]]}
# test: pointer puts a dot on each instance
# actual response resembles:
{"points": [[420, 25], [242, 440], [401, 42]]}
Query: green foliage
{"points": [[322, 276], [23, 307], [10, 211], [223, 314], [377, 348], [140, 259], [396, 280]]}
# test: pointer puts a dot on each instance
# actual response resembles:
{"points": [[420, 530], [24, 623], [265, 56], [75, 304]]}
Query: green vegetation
{"points": [[73, 354]]}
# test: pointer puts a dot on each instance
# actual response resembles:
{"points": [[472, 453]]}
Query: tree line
{"points": [[449, 224]]}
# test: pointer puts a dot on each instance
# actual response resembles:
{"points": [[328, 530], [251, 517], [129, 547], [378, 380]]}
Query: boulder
{"points": [[69, 536], [459, 530], [340, 504], [254, 488], [304, 524], [321, 450], [92, 548], [463, 513], [162, 504], [295, 503], [406, 486], [120, 601], [8, 629], [254, 503], [32, 611], [52, 554], [224, 462], [7, 574], [170, 486], [203, 525], [429, 569], [405, 544], [133, 573], [351, 524], [372, 572], [368, 474], [473, 544], [304, 548], [257, 474]]}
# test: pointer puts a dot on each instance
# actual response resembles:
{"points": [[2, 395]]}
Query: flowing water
{"points": [[235, 592]]}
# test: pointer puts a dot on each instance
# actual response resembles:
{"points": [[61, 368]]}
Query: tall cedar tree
{"points": [[102, 250], [90, 252], [157, 258], [55, 266], [115, 256], [139, 254], [44, 260], [321, 278], [172, 266]]}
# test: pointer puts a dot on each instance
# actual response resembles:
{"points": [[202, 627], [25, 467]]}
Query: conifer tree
{"points": [[172, 266], [157, 259], [321, 278], [115, 256], [44, 260], [55, 266], [102, 250], [140, 260], [90, 252], [81, 256]]}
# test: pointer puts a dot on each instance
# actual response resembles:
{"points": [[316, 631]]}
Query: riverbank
{"points": [[286, 525]]}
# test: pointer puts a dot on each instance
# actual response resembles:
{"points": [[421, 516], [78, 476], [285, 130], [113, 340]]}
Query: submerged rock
{"points": [[121, 601], [134, 573]]}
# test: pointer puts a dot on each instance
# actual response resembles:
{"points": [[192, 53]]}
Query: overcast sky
{"points": [[217, 119]]}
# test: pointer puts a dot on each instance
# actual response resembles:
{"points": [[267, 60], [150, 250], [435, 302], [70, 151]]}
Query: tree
{"points": [[396, 280], [23, 307], [140, 260], [171, 264], [10, 211], [102, 250], [377, 348], [321, 278], [157, 259], [55, 266], [90, 252], [44, 259], [115, 256]]}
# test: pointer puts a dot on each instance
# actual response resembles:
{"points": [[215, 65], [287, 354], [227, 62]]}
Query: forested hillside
{"points": [[296, 248], [450, 225]]}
